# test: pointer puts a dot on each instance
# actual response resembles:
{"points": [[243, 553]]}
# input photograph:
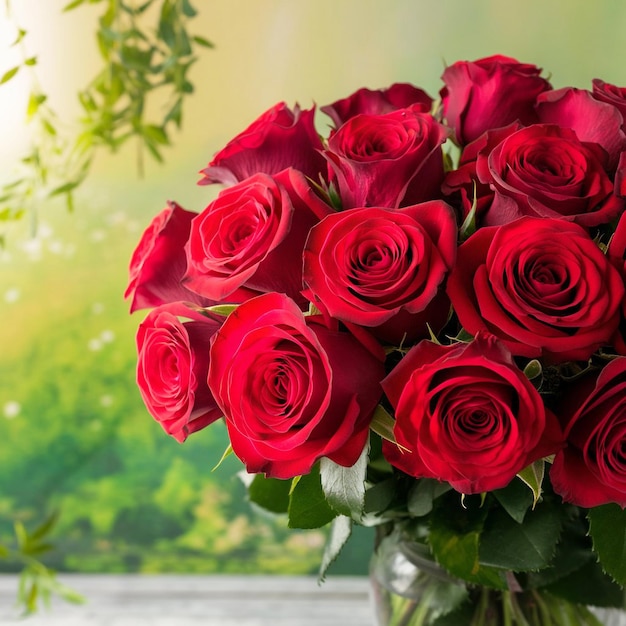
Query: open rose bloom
{"points": [[418, 319]]}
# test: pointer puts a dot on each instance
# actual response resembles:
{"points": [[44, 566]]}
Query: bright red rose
{"points": [[593, 121], [278, 139], [291, 389], [467, 415], [172, 366], [378, 102], [252, 236], [388, 160], [462, 185], [489, 93], [546, 171], [542, 286], [611, 94], [159, 262], [383, 268], [591, 469]]}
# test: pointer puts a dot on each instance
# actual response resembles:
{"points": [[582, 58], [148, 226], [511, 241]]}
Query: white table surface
{"points": [[142, 600]]}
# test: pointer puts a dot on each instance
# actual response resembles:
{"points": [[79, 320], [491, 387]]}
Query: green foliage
{"points": [[608, 531], [344, 487], [37, 582], [308, 507], [270, 493], [146, 51]]}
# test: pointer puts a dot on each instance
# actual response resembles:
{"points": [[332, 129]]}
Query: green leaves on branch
{"points": [[147, 51], [37, 582]]}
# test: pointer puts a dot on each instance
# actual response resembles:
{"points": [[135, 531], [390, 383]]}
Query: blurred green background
{"points": [[73, 432]]}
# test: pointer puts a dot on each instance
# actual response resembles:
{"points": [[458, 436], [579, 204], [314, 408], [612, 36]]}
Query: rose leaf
{"points": [[608, 532]]}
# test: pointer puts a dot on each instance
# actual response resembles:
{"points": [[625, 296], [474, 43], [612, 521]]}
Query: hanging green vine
{"points": [[146, 51]]}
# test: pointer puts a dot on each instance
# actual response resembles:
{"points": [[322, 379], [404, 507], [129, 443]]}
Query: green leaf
{"points": [[65, 188], [532, 476], [307, 505], [9, 74], [45, 527], [31, 61], [380, 495], [188, 10], [73, 5], [20, 534], [153, 150], [340, 531], [454, 538], [271, 494], [34, 102], [344, 487], [589, 585], [509, 545], [201, 41], [607, 527], [21, 33], [515, 499], [155, 133], [175, 113], [422, 495]]}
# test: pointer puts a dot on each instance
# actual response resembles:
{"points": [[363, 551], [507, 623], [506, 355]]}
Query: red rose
{"points": [[383, 268], [462, 186], [370, 102], [591, 469], [593, 121], [489, 93], [617, 255], [467, 415], [278, 139], [388, 160], [292, 391], [252, 235], [159, 262], [546, 171], [542, 286], [173, 360], [611, 94]]}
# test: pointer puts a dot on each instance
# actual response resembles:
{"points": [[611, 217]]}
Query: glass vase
{"points": [[407, 588]]}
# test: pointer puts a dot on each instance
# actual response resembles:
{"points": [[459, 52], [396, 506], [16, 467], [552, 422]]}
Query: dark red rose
{"points": [[172, 366], [467, 415], [591, 469], [378, 102], [159, 262], [546, 171], [388, 160], [383, 268], [278, 139], [292, 390], [617, 255], [252, 236], [592, 121], [462, 186], [489, 93], [541, 285], [611, 94]]}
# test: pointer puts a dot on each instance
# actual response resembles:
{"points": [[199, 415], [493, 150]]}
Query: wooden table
{"points": [[136, 600]]}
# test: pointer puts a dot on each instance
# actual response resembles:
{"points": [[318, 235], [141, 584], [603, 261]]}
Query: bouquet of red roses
{"points": [[416, 320]]}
